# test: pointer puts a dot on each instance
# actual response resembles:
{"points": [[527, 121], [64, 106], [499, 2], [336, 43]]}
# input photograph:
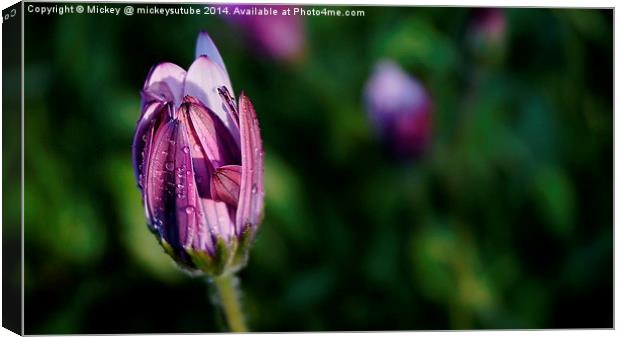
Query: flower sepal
{"points": [[178, 260], [240, 258], [227, 258]]}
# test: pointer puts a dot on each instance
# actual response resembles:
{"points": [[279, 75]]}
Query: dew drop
{"points": [[157, 223], [197, 147], [189, 210], [254, 189], [186, 149], [169, 166]]}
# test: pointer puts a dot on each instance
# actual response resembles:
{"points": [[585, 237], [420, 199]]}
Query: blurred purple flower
{"points": [[487, 27], [198, 160], [399, 109], [278, 36]]}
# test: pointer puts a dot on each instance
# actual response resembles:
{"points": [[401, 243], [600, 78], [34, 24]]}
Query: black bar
{"points": [[12, 168]]}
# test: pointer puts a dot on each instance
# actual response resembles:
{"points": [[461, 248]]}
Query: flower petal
{"points": [[164, 83], [225, 183], [252, 190], [186, 196], [158, 177], [215, 222], [170, 193], [201, 164], [205, 46], [229, 103], [203, 79], [211, 134], [143, 137]]}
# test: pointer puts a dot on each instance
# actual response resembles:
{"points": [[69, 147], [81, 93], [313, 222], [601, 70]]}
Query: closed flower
{"points": [[198, 160]]}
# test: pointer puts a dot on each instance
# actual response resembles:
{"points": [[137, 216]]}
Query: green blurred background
{"points": [[506, 222]]}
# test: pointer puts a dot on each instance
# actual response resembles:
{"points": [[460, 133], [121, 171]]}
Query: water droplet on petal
{"points": [[197, 147], [169, 166], [189, 209], [254, 189], [186, 149]]}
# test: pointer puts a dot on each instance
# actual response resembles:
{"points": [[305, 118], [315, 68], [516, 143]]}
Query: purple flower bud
{"points": [[198, 160], [399, 109], [278, 36]]}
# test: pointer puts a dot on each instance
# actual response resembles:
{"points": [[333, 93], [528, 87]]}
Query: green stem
{"points": [[228, 294]]}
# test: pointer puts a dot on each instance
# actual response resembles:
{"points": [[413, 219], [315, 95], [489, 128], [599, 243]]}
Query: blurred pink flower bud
{"points": [[399, 109], [279, 36], [487, 29]]}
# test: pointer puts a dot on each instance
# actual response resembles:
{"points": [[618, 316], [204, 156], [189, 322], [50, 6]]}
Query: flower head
{"points": [[487, 32], [399, 109], [278, 36], [198, 160], [489, 23]]}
